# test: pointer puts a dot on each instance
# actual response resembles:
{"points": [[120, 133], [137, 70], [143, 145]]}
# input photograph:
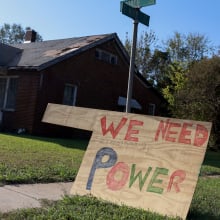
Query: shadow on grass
{"points": [[212, 159], [76, 143], [200, 216]]}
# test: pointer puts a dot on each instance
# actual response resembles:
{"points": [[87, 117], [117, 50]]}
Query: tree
{"points": [[181, 52], [154, 63], [10, 34], [143, 52], [158, 66], [177, 80], [188, 48], [199, 98]]}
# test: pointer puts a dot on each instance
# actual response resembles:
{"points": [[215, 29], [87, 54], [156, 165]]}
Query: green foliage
{"points": [[188, 48], [177, 77], [143, 56], [10, 34], [199, 98], [159, 65]]}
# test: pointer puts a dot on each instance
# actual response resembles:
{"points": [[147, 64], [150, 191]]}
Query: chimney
{"points": [[30, 36]]}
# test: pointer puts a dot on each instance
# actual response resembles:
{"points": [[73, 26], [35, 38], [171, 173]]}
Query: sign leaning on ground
{"points": [[141, 161]]}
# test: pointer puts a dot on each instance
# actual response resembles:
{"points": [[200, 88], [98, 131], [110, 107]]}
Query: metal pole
{"points": [[131, 68]]}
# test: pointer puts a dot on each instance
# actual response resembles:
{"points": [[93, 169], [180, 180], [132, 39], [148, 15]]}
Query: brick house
{"points": [[89, 71]]}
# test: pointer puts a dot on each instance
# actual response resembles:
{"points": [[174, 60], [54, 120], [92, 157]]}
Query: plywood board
{"points": [[141, 161]]}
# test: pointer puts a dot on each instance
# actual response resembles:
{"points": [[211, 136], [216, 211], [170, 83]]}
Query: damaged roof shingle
{"points": [[39, 55]]}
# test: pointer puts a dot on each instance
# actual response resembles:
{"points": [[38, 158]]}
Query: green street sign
{"points": [[135, 13], [143, 18], [140, 3], [128, 10]]}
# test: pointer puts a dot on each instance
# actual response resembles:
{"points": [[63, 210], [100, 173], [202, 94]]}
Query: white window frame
{"points": [[8, 78], [151, 109], [73, 103]]}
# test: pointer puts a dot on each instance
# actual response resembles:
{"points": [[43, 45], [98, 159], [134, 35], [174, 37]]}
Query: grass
{"points": [[211, 164], [27, 159], [82, 207], [206, 200]]}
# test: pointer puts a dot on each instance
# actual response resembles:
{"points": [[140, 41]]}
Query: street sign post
{"points": [[140, 3], [131, 8]]}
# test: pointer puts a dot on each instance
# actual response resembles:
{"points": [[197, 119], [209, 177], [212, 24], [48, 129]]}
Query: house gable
{"points": [[41, 55]]}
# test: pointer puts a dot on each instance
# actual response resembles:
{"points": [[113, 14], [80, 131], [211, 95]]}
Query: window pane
{"points": [[2, 91], [69, 95], [12, 88], [151, 109]]}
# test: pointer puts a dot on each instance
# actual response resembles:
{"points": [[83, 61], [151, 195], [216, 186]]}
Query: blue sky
{"points": [[56, 19]]}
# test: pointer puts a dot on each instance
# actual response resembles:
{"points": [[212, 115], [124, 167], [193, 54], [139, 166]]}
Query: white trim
{"points": [[6, 92], [1, 117], [74, 93], [151, 109], [7, 77]]}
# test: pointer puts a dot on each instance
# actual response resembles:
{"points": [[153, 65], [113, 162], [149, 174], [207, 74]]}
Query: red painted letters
{"points": [[201, 135], [184, 132], [112, 182], [172, 131], [181, 175], [162, 128], [114, 131], [132, 123], [181, 133]]}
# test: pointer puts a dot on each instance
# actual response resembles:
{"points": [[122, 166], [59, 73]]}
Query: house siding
{"points": [[23, 115], [99, 85]]}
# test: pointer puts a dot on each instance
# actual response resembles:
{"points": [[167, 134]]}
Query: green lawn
{"points": [[211, 164], [27, 159]]}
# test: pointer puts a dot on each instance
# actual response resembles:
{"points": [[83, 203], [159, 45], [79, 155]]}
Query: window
{"points": [[106, 56], [69, 96], [151, 109], [8, 88], [134, 104]]}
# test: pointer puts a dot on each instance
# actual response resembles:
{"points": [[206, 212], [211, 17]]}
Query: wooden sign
{"points": [[141, 161]]}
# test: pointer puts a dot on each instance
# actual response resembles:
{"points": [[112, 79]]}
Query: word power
{"points": [[114, 184]]}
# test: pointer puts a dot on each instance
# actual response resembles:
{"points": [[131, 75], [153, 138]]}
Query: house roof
{"points": [[7, 54], [40, 55]]}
